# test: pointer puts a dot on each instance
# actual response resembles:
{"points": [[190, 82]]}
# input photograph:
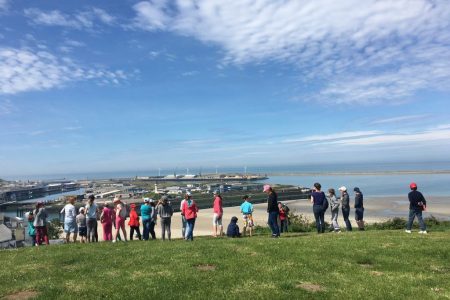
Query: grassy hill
{"points": [[370, 265]]}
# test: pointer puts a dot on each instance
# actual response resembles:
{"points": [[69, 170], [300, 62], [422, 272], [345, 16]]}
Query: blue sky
{"points": [[98, 86]]}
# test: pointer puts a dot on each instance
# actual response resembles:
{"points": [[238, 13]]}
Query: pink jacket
{"points": [[189, 211], [218, 206]]}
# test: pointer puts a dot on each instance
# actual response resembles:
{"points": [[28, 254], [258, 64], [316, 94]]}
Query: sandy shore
{"points": [[377, 209]]}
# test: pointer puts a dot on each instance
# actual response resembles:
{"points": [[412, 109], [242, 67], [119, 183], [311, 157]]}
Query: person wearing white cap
{"points": [[345, 202]]}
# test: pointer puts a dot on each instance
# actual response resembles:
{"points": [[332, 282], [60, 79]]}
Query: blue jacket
{"points": [[233, 229]]}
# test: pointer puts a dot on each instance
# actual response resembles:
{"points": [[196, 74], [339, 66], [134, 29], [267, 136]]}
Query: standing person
{"points": [[91, 211], [218, 214], [247, 215], [31, 228], [81, 223], [318, 198], [345, 202], [165, 212], [121, 215], [183, 218], [334, 204], [107, 219], [272, 210], [146, 211], [359, 208], [40, 223], [189, 210], [283, 218], [153, 218], [417, 204], [70, 222], [134, 222]]}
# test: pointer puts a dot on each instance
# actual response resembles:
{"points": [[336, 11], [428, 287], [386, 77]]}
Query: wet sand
{"points": [[377, 209]]}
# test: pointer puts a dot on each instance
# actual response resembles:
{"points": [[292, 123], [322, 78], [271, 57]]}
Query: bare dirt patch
{"points": [[23, 295], [206, 267], [367, 266], [310, 287], [377, 273]]}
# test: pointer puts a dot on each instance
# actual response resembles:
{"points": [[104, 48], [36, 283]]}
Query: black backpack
{"points": [[325, 204]]}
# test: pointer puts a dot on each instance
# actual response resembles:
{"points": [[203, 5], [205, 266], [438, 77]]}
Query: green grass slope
{"points": [[369, 265]]}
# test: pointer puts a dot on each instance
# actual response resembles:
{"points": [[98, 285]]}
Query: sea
{"points": [[374, 179]]}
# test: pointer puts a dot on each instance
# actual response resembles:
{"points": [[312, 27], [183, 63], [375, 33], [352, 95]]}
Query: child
{"points": [[134, 222], [40, 223], [31, 229], [81, 223], [283, 217], [233, 228], [247, 211]]}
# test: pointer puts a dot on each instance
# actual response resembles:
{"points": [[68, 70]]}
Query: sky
{"points": [[100, 86]]}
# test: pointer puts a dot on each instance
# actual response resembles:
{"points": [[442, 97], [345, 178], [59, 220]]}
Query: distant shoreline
{"points": [[357, 173]]}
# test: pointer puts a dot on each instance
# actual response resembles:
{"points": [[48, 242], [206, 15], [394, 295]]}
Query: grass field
{"points": [[370, 265]]}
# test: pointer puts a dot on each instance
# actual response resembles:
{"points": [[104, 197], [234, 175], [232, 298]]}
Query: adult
{"points": [[70, 222], [133, 222], [247, 215], [272, 210], [107, 219], [417, 204], [165, 212], [345, 204], [334, 205], [183, 218], [189, 210], [121, 215], [318, 198], [153, 217], [40, 224], [359, 208], [218, 214], [91, 211], [146, 211]]}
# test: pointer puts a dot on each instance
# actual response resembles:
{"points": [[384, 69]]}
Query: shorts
{"points": [[359, 214], [120, 222], [217, 220], [248, 220], [82, 231], [70, 227]]}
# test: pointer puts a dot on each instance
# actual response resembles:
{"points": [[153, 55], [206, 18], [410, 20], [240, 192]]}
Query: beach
{"points": [[377, 209]]}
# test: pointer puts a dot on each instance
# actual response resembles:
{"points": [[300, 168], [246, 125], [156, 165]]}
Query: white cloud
{"points": [[27, 70], [400, 119], [79, 20], [330, 137], [363, 52], [4, 5]]}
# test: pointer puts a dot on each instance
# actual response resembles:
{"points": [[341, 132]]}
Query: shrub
{"points": [[54, 229]]}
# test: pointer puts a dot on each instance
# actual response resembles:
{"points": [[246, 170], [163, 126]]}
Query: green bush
{"points": [[54, 229]]}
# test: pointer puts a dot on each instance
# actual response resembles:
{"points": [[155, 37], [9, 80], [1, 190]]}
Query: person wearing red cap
{"points": [[417, 204], [134, 222]]}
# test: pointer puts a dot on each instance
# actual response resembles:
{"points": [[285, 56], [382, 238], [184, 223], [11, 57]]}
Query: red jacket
{"points": [[189, 211], [218, 206], [282, 215], [134, 218]]}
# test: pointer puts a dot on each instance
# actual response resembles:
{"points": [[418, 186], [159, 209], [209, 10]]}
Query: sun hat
{"points": [[81, 210], [266, 187], [146, 200], [343, 189], [413, 185]]}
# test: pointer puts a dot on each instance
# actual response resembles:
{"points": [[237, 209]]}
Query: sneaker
{"points": [[408, 231], [423, 232], [114, 240]]}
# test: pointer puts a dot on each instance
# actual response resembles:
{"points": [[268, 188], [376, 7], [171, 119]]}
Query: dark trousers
{"points": [[152, 229], [273, 223], [146, 225], [190, 224], [284, 225], [165, 226], [345, 214], [92, 235], [41, 235], [138, 232], [319, 215], [415, 213]]}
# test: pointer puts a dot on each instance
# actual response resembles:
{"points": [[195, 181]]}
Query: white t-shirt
{"points": [[69, 212]]}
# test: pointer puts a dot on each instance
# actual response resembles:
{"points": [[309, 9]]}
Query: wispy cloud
{"points": [[27, 69], [4, 5], [331, 137], [189, 73], [6, 107], [400, 119], [363, 52], [86, 19]]}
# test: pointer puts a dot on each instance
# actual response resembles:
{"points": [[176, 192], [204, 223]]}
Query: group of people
{"points": [[84, 223]]}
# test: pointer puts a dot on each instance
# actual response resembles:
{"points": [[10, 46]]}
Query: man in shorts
{"points": [[247, 211], [70, 223]]}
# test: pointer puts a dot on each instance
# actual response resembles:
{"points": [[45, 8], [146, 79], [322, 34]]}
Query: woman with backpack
{"points": [[318, 199], [121, 215], [165, 212]]}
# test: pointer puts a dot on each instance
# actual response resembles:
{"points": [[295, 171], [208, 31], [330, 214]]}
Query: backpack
{"points": [[285, 209], [125, 212], [325, 204]]}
